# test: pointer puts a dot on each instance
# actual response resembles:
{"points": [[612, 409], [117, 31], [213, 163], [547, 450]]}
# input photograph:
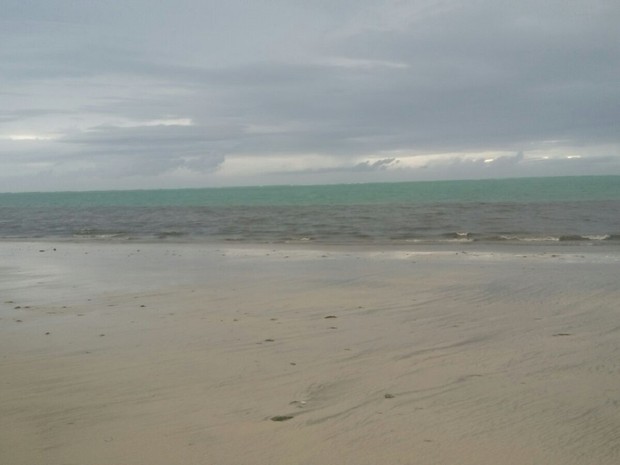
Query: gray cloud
{"points": [[350, 81], [382, 164], [361, 167], [515, 165], [148, 151]]}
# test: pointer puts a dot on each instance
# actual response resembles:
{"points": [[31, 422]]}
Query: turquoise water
{"points": [[566, 209], [500, 190]]}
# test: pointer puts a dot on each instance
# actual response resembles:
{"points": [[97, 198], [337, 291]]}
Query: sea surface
{"points": [[533, 210]]}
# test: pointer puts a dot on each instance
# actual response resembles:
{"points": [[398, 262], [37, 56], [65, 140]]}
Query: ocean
{"points": [[534, 210]]}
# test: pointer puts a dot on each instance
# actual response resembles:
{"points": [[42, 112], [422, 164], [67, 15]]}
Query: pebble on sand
{"points": [[281, 418]]}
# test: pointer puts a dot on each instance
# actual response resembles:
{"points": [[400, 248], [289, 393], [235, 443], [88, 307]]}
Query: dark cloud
{"points": [[350, 81], [382, 164], [149, 150]]}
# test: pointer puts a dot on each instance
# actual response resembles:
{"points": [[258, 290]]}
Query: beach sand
{"points": [[166, 354]]}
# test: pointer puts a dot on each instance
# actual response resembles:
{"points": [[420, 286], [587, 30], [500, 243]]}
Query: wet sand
{"points": [[166, 354]]}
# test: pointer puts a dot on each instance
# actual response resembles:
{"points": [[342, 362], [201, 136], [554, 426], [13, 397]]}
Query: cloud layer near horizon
{"points": [[194, 93]]}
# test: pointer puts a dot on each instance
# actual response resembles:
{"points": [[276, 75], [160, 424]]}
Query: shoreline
{"points": [[605, 240], [175, 353], [607, 246]]}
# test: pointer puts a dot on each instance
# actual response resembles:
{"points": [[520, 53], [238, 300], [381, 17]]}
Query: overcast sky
{"points": [[190, 93]]}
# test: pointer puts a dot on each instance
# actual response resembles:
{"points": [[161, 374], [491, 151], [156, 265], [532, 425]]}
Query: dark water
{"points": [[533, 210]]}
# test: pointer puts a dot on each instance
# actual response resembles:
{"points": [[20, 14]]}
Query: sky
{"points": [[145, 94]]}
